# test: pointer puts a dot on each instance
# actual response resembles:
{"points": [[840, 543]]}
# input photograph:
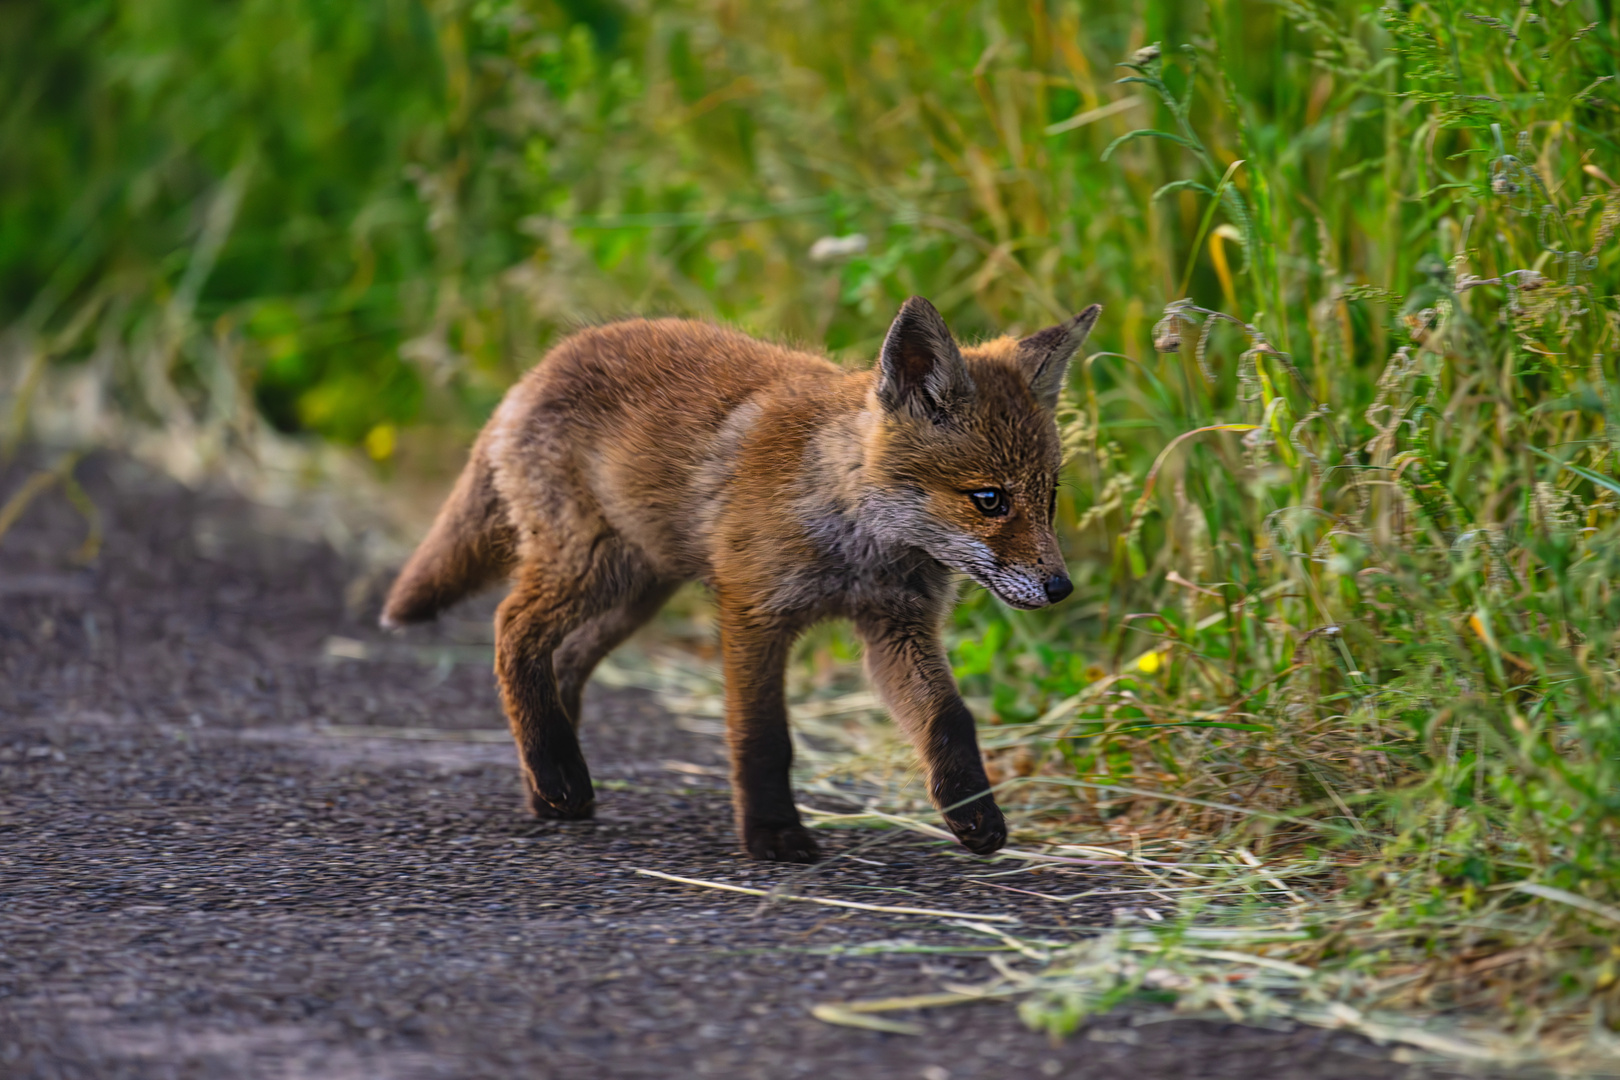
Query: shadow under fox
{"points": [[644, 454]]}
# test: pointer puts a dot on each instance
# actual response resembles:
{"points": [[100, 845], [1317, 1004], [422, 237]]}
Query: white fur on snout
{"points": [[1017, 587], [973, 557], [902, 519]]}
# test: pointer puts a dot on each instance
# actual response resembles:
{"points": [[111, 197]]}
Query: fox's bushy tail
{"points": [[470, 545]]}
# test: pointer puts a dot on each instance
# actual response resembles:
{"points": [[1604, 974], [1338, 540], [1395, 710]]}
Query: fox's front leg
{"points": [[756, 652], [907, 664]]}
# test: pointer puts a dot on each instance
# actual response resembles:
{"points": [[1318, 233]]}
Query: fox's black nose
{"points": [[1057, 587]]}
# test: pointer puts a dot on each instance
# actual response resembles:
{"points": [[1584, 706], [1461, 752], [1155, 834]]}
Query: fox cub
{"points": [[643, 454]]}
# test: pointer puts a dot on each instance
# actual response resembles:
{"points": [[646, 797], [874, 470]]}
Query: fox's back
{"points": [[647, 417]]}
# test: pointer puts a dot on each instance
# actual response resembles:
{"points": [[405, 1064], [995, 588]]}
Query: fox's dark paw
{"points": [[571, 802], [790, 843], [568, 811], [979, 826], [560, 790]]}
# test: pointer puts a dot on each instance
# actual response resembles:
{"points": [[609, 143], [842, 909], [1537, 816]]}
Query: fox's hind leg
{"points": [[550, 599], [592, 640], [756, 653]]}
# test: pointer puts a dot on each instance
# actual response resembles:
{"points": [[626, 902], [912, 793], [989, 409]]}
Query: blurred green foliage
{"points": [[465, 180]]}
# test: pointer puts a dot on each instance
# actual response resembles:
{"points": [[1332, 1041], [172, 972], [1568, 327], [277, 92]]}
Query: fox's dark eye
{"points": [[1051, 510], [991, 502]]}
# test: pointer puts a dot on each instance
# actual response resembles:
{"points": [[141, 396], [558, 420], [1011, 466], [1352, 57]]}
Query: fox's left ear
{"points": [[920, 367], [1044, 356]]}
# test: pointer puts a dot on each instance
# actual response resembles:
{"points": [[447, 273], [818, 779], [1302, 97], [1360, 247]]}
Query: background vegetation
{"points": [[1343, 506]]}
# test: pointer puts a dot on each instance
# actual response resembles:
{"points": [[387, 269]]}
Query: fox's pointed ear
{"points": [[920, 369], [1044, 356]]}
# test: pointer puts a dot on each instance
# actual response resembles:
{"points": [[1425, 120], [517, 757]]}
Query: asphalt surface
{"points": [[232, 847]]}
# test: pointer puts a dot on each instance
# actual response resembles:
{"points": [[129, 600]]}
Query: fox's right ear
{"points": [[1044, 356], [920, 370]]}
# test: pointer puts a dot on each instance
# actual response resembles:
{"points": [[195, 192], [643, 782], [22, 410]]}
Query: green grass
{"points": [[1342, 509]]}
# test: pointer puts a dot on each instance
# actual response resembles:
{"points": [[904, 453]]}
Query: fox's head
{"points": [[966, 449]]}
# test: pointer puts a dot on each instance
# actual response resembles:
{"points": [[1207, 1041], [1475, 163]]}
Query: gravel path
{"points": [[221, 856]]}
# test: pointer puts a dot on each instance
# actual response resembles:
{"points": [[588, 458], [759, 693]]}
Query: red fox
{"points": [[643, 454]]}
